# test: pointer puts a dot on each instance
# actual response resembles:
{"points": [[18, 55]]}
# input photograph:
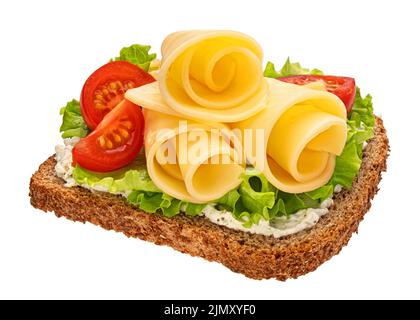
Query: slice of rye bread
{"points": [[255, 256]]}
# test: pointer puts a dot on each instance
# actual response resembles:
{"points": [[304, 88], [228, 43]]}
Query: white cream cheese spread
{"points": [[279, 227], [63, 156]]}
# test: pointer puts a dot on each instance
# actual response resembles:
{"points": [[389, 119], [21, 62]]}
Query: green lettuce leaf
{"points": [[229, 200], [194, 209], [73, 124], [257, 199], [132, 177], [137, 54], [151, 202], [362, 111], [321, 193], [257, 194], [359, 130], [288, 69], [347, 166]]}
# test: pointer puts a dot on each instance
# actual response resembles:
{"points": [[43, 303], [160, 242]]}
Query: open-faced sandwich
{"points": [[268, 172]]}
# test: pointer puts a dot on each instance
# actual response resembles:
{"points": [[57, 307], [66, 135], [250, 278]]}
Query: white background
{"points": [[48, 49]]}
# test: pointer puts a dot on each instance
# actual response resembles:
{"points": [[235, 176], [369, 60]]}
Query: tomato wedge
{"points": [[342, 87], [105, 88], [115, 142]]}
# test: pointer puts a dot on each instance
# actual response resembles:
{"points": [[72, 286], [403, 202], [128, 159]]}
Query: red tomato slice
{"points": [[342, 87], [105, 88], [115, 142]]}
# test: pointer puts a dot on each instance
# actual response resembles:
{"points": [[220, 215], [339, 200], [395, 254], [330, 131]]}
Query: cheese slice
{"points": [[207, 75], [191, 161], [316, 85], [304, 130]]}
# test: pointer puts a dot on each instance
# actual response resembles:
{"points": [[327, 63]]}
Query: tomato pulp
{"points": [[105, 89], [115, 142]]}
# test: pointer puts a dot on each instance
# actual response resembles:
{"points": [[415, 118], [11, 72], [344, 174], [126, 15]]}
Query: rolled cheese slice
{"points": [[303, 131], [207, 75], [191, 161]]}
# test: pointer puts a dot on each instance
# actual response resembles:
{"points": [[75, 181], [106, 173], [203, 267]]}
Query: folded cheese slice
{"points": [[191, 161], [304, 130], [207, 75]]}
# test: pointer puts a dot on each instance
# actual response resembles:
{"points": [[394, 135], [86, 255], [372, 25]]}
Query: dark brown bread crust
{"points": [[255, 256]]}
